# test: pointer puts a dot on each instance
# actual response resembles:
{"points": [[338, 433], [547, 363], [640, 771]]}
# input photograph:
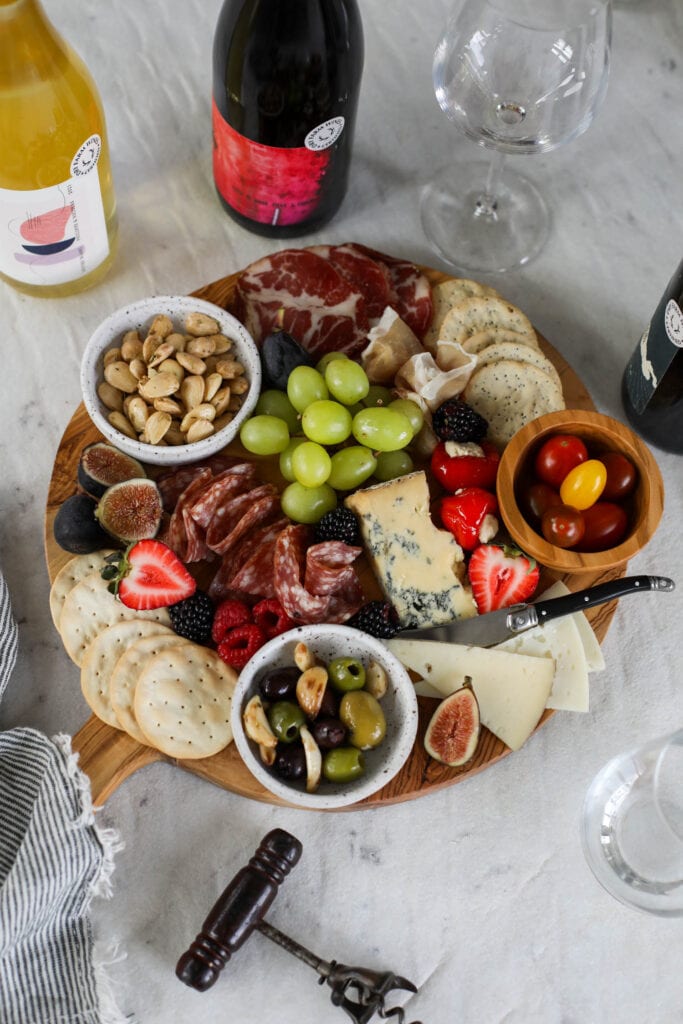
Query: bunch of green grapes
{"points": [[333, 430]]}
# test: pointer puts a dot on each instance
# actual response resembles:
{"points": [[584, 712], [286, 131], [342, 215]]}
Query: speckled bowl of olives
{"points": [[337, 728]]}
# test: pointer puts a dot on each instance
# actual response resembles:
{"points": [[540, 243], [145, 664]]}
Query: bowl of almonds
{"points": [[170, 379]]}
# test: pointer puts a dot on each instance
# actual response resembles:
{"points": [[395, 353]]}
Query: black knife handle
{"points": [[603, 592]]}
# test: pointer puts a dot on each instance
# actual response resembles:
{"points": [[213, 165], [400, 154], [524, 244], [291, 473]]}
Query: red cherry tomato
{"points": [[584, 484], [621, 476], [557, 456], [563, 526], [538, 499], [606, 525]]}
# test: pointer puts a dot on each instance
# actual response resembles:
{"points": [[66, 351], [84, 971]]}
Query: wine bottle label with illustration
{"points": [[658, 346], [57, 234], [270, 184]]}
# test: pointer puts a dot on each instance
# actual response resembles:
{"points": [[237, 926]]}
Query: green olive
{"points": [[286, 719], [346, 674], [363, 717], [343, 764]]}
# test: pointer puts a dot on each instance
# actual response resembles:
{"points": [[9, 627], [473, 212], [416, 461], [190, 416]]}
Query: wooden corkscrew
{"points": [[241, 909]]}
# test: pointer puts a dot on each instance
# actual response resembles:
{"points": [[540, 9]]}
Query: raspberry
{"points": [[271, 617], [240, 644], [455, 420], [229, 614]]}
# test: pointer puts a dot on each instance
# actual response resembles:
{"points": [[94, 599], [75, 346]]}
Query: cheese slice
{"points": [[512, 689], [595, 660], [419, 567], [558, 640]]}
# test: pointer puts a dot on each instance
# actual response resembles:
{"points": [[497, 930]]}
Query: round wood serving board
{"points": [[109, 756]]}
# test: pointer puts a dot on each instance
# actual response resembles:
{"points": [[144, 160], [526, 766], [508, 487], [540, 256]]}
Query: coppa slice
{"points": [[72, 573], [367, 276], [124, 678], [100, 660], [89, 608], [182, 701]]}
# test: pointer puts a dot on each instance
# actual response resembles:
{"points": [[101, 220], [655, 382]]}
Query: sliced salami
{"points": [[172, 484], [178, 538], [327, 564], [230, 513], [236, 480], [288, 571], [366, 275], [256, 575], [300, 292], [411, 292]]}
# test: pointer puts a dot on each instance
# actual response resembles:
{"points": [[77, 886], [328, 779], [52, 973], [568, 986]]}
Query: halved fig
{"points": [[453, 732], [131, 510], [101, 466]]}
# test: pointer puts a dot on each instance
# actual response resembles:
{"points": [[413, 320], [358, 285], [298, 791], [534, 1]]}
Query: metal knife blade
{"points": [[495, 627]]}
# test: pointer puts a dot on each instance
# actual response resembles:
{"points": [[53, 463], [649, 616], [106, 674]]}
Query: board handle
{"points": [[108, 756]]}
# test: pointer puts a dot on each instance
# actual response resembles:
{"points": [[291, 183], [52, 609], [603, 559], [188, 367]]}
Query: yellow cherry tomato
{"points": [[584, 484]]}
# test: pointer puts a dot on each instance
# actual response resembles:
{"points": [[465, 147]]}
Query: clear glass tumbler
{"points": [[632, 826]]}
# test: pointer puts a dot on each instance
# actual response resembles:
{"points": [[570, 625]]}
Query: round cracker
{"points": [[483, 313], [89, 608], [182, 701], [447, 294], [509, 394], [482, 339], [124, 678], [69, 575], [520, 353], [100, 660]]}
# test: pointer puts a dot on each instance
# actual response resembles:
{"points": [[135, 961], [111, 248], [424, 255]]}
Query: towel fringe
{"points": [[104, 956]]}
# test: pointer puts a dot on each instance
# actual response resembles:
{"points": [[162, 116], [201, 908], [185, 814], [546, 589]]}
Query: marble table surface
{"points": [[479, 893]]}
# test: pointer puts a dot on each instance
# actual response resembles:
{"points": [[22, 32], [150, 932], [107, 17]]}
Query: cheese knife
{"points": [[495, 627]]}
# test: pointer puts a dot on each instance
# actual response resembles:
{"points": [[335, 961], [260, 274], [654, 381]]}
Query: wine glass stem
{"points": [[487, 204]]}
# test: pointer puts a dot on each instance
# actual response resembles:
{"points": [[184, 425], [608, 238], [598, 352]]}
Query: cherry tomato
{"points": [[584, 484], [606, 526], [563, 526], [557, 456], [621, 476], [538, 499]]}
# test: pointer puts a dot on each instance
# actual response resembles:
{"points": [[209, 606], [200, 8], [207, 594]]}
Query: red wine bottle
{"points": [[286, 78], [652, 386]]}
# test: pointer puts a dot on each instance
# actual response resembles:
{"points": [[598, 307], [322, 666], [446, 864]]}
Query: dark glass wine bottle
{"points": [[286, 79], [652, 386]]}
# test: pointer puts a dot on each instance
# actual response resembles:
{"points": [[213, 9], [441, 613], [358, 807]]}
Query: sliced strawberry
{"points": [[501, 576], [470, 515], [149, 575]]}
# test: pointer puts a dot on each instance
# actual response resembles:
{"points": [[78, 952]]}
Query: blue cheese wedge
{"points": [[420, 568]]}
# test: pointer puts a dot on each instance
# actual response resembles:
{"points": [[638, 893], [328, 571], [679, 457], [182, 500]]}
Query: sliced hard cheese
{"points": [[420, 568], [595, 661], [512, 689], [558, 640]]}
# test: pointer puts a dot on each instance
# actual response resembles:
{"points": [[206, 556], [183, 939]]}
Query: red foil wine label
{"points": [[266, 183]]}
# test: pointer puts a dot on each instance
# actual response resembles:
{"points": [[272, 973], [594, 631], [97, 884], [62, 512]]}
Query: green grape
{"points": [[276, 403], [264, 435], [350, 467], [327, 359], [377, 395], [304, 386], [311, 464], [346, 381], [412, 412], [383, 430], [393, 464], [286, 458], [307, 504], [326, 422]]}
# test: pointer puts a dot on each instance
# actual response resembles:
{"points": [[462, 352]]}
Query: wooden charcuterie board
{"points": [[109, 756]]}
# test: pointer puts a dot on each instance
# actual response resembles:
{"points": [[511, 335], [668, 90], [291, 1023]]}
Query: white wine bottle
{"points": [[57, 205]]}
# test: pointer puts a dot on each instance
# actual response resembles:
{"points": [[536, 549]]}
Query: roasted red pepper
{"points": [[464, 514], [456, 471]]}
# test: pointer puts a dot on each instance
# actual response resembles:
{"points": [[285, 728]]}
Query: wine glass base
{"points": [[473, 239]]}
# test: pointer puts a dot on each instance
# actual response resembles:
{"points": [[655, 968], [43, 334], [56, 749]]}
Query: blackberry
{"points": [[193, 617], [376, 618], [454, 420], [339, 524]]}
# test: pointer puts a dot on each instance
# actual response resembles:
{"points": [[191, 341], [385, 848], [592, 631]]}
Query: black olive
{"points": [[279, 685], [290, 761], [328, 733], [329, 707]]}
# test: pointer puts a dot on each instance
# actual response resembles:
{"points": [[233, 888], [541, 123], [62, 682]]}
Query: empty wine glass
{"points": [[517, 76]]}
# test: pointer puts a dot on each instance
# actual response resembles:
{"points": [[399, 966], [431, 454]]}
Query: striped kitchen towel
{"points": [[53, 860]]}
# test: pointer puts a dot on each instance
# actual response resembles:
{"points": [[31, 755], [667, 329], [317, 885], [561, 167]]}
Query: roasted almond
{"points": [[119, 376], [200, 324]]}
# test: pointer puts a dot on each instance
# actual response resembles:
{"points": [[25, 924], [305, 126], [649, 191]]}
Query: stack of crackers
{"points": [[137, 674]]}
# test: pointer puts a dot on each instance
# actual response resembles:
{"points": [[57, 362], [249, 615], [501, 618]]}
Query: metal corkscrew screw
{"points": [[241, 909]]}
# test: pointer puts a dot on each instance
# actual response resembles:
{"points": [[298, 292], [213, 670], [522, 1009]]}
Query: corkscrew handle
{"points": [[239, 910]]}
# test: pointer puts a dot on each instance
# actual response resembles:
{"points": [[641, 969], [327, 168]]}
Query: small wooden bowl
{"points": [[599, 432]]}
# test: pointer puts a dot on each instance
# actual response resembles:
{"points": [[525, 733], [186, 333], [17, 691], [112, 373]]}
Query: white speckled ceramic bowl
{"points": [[399, 705], [138, 315]]}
